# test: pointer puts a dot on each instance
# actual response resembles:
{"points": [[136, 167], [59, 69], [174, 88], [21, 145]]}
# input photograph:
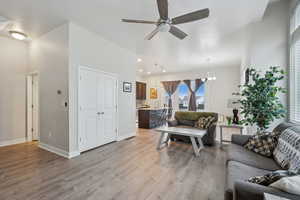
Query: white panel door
{"points": [[97, 115], [88, 117], [107, 95], [35, 107], [29, 108]]}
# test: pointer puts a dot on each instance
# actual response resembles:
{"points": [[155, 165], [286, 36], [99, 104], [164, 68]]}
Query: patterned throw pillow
{"points": [[262, 144], [287, 152], [270, 178], [204, 122]]}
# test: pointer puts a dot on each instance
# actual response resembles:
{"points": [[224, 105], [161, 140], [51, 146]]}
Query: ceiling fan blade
{"points": [[177, 32], [138, 21], [163, 9], [152, 34], [190, 17]]}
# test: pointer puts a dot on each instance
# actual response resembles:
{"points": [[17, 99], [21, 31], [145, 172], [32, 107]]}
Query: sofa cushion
{"points": [[237, 171], [184, 122], [263, 144], [240, 154], [287, 152], [288, 184], [270, 178], [204, 122], [194, 116]]}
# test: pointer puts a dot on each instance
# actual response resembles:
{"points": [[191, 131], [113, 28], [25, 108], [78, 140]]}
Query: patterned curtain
{"points": [[192, 102], [170, 87]]}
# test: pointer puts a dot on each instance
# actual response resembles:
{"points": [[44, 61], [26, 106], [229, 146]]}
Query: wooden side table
{"points": [[234, 126]]}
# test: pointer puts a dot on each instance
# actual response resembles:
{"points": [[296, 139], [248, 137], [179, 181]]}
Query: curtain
{"points": [[170, 87], [192, 102]]}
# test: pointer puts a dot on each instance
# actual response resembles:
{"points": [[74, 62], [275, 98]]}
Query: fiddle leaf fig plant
{"points": [[260, 102]]}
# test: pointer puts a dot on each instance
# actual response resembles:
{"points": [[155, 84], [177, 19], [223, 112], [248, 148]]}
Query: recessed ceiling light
{"points": [[141, 70], [148, 72], [164, 71], [139, 60], [18, 35]]}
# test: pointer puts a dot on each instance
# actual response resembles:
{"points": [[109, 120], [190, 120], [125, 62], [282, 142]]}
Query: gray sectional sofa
{"points": [[243, 164]]}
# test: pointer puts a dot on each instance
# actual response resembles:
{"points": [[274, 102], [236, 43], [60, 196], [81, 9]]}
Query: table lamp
{"points": [[234, 104]]}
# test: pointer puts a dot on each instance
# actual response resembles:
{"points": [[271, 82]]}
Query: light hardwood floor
{"points": [[128, 170]]}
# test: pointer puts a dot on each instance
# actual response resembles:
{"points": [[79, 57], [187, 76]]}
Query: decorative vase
{"points": [[229, 121]]}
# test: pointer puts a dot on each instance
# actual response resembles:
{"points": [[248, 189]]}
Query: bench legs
{"points": [[164, 141], [197, 148], [161, 140]]}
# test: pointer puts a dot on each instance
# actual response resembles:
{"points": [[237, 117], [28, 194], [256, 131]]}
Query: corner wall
{"points": [[13, 70], [268, 44], [91, 50], [49, 56]]}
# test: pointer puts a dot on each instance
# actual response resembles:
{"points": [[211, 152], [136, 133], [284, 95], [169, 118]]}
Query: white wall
{"points": [[268, 43], [91, 50], [13, 69], [217, 92], [49, 56]]}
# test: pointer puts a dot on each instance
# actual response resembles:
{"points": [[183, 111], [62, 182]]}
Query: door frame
{"points": [[29, 103], [81, 67]]}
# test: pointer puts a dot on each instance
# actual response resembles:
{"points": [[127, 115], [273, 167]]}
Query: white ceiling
{"points": [[219, 38]]}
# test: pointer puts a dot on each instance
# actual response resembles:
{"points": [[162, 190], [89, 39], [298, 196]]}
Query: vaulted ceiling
{"points": [[218, 39]]}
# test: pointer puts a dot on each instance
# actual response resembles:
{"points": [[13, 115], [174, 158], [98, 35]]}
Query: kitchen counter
{"points": [[150, 117]]}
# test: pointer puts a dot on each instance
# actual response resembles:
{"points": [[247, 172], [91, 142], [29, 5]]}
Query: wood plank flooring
{"points": [[128, 170]]}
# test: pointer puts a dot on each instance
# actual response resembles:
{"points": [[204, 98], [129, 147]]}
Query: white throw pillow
{"points": [[288, 184]]}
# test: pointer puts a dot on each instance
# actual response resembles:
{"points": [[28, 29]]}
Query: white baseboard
{"points": [[12, 142], [124, 137], [74, 154], [58, 151]]}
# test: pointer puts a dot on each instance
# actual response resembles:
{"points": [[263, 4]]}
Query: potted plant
{"points": [[260, 104]]}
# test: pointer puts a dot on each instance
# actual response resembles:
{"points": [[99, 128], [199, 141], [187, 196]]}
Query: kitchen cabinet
{"points": [[141, 89], [150, 118]]}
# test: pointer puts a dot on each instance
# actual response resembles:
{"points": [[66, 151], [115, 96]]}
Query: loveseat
{"points": [[188, 120], [243, 164]]}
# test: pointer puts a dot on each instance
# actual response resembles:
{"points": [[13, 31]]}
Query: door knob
{"points": [[100, 113]]}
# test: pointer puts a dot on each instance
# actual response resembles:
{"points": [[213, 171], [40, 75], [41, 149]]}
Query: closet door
{"points": [[97, 115], [89, 136], [107, 105]]}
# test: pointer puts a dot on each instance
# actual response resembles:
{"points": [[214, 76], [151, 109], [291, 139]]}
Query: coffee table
{"points": [[194, 134]]}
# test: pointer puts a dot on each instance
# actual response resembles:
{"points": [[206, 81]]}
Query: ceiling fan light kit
{"points": [[18, 35], [165, 24]]}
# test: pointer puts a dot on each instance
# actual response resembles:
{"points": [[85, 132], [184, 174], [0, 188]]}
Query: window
{"points": [[200, 100], [294, 107], [183, 95]]}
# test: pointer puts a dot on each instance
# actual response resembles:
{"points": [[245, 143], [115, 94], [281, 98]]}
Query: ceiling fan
{"points": [[165, 24]]}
